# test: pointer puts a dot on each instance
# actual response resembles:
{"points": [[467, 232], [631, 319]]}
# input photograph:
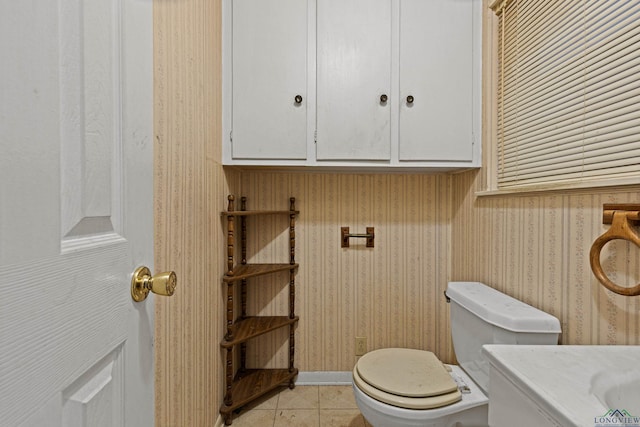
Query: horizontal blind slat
{"points": [[620, 101], [557, 84]]}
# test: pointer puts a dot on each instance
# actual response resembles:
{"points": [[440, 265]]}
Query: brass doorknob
{"points": [[142, 282]]}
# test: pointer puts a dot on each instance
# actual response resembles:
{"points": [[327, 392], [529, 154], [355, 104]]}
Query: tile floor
{"points": [[304, 406]]}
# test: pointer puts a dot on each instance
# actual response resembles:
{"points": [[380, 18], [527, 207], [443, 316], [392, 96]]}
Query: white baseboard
{"points": [[324, 378]]}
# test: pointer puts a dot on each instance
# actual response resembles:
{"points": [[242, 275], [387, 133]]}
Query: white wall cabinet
{"points": [[385, 83]]}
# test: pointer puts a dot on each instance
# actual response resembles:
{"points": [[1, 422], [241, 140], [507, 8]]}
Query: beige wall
{"points": [[391, 294], [536, 247], [190, 190], [429, 229]]}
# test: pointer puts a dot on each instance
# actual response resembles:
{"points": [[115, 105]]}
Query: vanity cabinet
{"points": [[242, 384], [389, 84]]}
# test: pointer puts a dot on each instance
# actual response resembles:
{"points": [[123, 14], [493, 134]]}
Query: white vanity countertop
{"points": [[560, 379]]}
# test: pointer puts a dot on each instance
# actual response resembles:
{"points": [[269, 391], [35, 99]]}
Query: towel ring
{"points": [[620, 229]]}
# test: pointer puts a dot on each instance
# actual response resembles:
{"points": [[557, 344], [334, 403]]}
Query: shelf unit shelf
{"points": [[253, 326], [244, 385], [244, 271]]}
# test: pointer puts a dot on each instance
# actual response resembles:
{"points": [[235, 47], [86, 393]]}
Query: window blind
{"points": [[568, 91]]}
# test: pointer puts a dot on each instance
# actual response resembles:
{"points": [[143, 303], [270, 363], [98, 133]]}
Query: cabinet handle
{"points": [[298, 99], [410, 99], [383, 98]]}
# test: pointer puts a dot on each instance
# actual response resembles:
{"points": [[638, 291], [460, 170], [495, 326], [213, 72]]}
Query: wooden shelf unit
{"points": [[245, 385]]}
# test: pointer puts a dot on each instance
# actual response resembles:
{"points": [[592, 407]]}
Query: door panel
{"points": [[75, 213], [436, 68], [90, 120], [93, 399], [353, 71], [269, 71]]}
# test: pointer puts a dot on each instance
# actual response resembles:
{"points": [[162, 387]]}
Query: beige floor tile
{"points": [[304, 406], [297, 418], [268, 401], [301, 397], [255, 417], [337, 397], [341, 418]]}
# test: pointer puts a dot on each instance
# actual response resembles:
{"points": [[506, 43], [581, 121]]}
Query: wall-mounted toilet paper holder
{"points": [[345, 236]]}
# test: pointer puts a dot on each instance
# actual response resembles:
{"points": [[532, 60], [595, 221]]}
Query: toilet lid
{"points": [[406, 372]]}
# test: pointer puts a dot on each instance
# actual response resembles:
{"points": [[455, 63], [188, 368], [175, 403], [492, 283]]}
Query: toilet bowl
{"points": [[407, 387], [470, 411]]}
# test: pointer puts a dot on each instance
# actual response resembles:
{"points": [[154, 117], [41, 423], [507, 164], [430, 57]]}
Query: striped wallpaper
{"points": [[190, 189], [392, 294], [536, 248]]}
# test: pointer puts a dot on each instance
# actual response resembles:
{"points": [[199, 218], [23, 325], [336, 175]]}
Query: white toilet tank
{"points": [[482, 315]]}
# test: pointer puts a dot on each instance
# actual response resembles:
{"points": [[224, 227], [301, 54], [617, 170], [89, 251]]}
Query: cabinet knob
{"points": [[298, 99], [410, 99], [383, 98]]}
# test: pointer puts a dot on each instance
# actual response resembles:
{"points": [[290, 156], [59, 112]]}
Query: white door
{"points": [[436, 80], [269, 79], [354, 80], [75, 212]]}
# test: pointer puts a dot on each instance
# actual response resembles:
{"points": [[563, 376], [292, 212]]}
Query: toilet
{"points": [[407, 387]]}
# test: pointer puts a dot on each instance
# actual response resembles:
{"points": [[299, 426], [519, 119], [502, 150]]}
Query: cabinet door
{"points": [[269, 72], [436, 69], [353, 72]]}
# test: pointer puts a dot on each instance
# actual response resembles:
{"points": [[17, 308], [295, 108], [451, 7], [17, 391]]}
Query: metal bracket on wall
{"points": [[345, 236], [632, 212]]}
